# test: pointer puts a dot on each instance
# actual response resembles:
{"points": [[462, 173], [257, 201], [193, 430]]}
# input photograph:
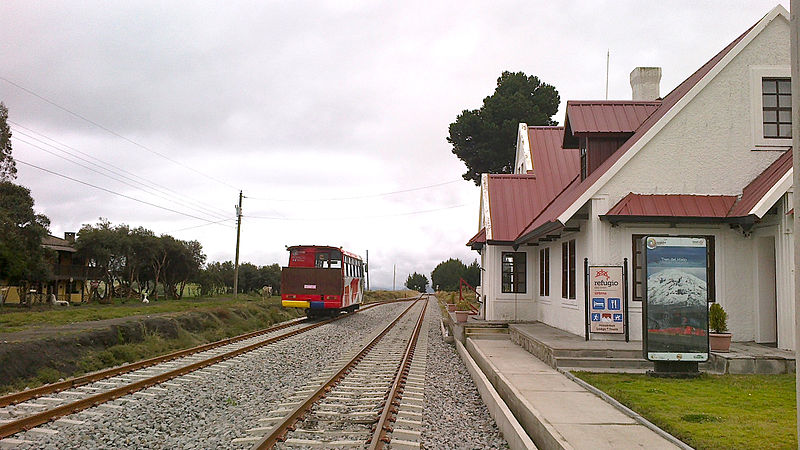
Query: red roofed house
{"points": [[711, 158]]}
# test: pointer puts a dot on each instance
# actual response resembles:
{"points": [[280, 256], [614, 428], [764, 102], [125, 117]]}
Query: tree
{"points": [[8, 169], [417, 282], [485, 138], [22, 257], [445, 276], [473, 274]]}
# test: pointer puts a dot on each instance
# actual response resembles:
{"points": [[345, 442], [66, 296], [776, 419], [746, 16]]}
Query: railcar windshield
{"points": [[321, 258]]}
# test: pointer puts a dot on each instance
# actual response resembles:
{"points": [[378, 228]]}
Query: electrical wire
{"points": [[318, 219], [110, 131], [96, 171], [355, 197], [198, 226], [112, 192], [139, 185]]}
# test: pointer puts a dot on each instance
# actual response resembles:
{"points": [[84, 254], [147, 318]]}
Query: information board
{"points": [[676, 299], [606, 294]]}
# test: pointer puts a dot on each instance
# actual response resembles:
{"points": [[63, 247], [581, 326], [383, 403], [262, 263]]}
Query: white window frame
{"points": [[757, 74]]}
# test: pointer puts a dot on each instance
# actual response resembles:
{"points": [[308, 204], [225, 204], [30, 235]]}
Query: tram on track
{"points": [[324, 280]]}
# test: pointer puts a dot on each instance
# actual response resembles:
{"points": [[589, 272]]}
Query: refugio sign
{"points": [[675, 316], [605, 292]]}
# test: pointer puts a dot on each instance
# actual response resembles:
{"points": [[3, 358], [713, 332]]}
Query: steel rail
{"points": [[382, 427], [34, 420], [279, 430], [21, 396], [17, 397]]}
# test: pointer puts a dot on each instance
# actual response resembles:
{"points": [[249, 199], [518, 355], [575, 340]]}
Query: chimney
{"points": [[68, 236], [645, 82]]}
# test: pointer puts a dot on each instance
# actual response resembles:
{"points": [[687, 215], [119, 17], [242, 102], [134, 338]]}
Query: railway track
{"points": [[372, 398], [28, 409]]}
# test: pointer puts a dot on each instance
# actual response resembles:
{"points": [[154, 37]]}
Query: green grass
{"points": [[382, 296], [17, 319], [711, 412]]}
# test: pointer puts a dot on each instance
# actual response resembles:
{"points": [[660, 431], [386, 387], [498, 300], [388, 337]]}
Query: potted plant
{"points": [[462, 310], [719, 339]]}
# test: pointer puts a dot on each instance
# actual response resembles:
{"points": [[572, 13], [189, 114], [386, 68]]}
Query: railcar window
{"points": [[322, 260], [336, 259]]}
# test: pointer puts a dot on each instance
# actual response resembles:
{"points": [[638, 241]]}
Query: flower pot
{"points": [[451, 307], [461, 316], [719, 342]]}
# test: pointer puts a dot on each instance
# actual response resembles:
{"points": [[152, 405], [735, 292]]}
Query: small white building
{"points": [[711, 158]]}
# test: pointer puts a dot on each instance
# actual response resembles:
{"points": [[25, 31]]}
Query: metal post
{"points": [[794, 29], [238, 234], [586, 315], [625, 298], [394, 274]]}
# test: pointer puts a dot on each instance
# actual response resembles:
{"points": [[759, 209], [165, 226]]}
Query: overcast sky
{"points": [[319, 111]]}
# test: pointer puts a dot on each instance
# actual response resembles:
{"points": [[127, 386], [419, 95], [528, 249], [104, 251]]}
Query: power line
{"points": [[356, 197], [93, 170], [318, 219], [114, 132], [200, 226], [110, 191], [139, 184]]}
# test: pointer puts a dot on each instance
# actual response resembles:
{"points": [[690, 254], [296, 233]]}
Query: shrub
{"points": [[717, 319]]}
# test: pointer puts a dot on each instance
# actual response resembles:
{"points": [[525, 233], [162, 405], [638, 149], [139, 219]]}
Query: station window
{"points": [[776, 102], [544, 272], [513, 272], [568, 269]]}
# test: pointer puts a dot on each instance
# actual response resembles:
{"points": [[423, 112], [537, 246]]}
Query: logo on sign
{"points": [[595, 317], [598, 303], [605, 317], [309, 286], [614, 304], [617, 317]]}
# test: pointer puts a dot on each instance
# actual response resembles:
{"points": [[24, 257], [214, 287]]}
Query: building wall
{"points": [[505, 306], [707, 147]]}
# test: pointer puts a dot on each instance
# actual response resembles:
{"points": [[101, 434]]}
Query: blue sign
{"points": [[614, 304], [595, 317], [617, 317], [600, 303]]}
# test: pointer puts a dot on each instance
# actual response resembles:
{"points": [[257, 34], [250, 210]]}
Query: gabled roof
{"points": [[58, 244], [514, 199], [575, 195], [759, 196], [610, 116], [673, 205]]}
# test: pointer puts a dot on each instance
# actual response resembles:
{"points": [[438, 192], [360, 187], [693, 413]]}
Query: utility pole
{"points": [[394, 273], [366, 269], [794, 29], [238, 234]]}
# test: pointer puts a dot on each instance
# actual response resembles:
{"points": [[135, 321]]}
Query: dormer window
{"points": [[776, 101], [584, 162], [771, 107]]}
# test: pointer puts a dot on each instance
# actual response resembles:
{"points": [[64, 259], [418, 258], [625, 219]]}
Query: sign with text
{"points": [[606, 294], [676, 298]]}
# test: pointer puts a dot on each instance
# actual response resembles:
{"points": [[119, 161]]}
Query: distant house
{"points": [[711, 158], [69, 276]]}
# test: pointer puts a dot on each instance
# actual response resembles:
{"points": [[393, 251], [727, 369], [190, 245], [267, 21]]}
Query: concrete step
{"points": [[630, 363], [606, 369], [596, 353]]}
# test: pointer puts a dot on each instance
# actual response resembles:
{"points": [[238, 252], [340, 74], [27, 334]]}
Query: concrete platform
{"points": [[556, 412], [561, 349]]}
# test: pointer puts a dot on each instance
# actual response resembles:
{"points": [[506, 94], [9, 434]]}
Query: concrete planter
{"points": [[451, 307], [461, 316], [719, 342]]}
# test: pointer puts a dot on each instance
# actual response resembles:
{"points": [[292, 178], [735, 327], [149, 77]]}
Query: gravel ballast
{"points": [[455, 416], [211, 407]]}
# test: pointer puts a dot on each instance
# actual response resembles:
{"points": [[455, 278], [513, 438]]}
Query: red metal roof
{"points": [[759, 187], [608, 116], [546, 220], [514, 199], [478, 240], [673, 205]]}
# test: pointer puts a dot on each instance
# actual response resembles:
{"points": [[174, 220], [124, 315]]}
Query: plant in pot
{"points": [[462, 310], [719, 339], [451, 302]]}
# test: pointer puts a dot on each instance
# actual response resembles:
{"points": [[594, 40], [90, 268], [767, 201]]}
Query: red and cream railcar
{"points": [[322, 279]]}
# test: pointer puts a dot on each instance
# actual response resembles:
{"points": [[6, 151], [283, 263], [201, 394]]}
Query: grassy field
{"points": [[20, 318], [711, 412]]}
